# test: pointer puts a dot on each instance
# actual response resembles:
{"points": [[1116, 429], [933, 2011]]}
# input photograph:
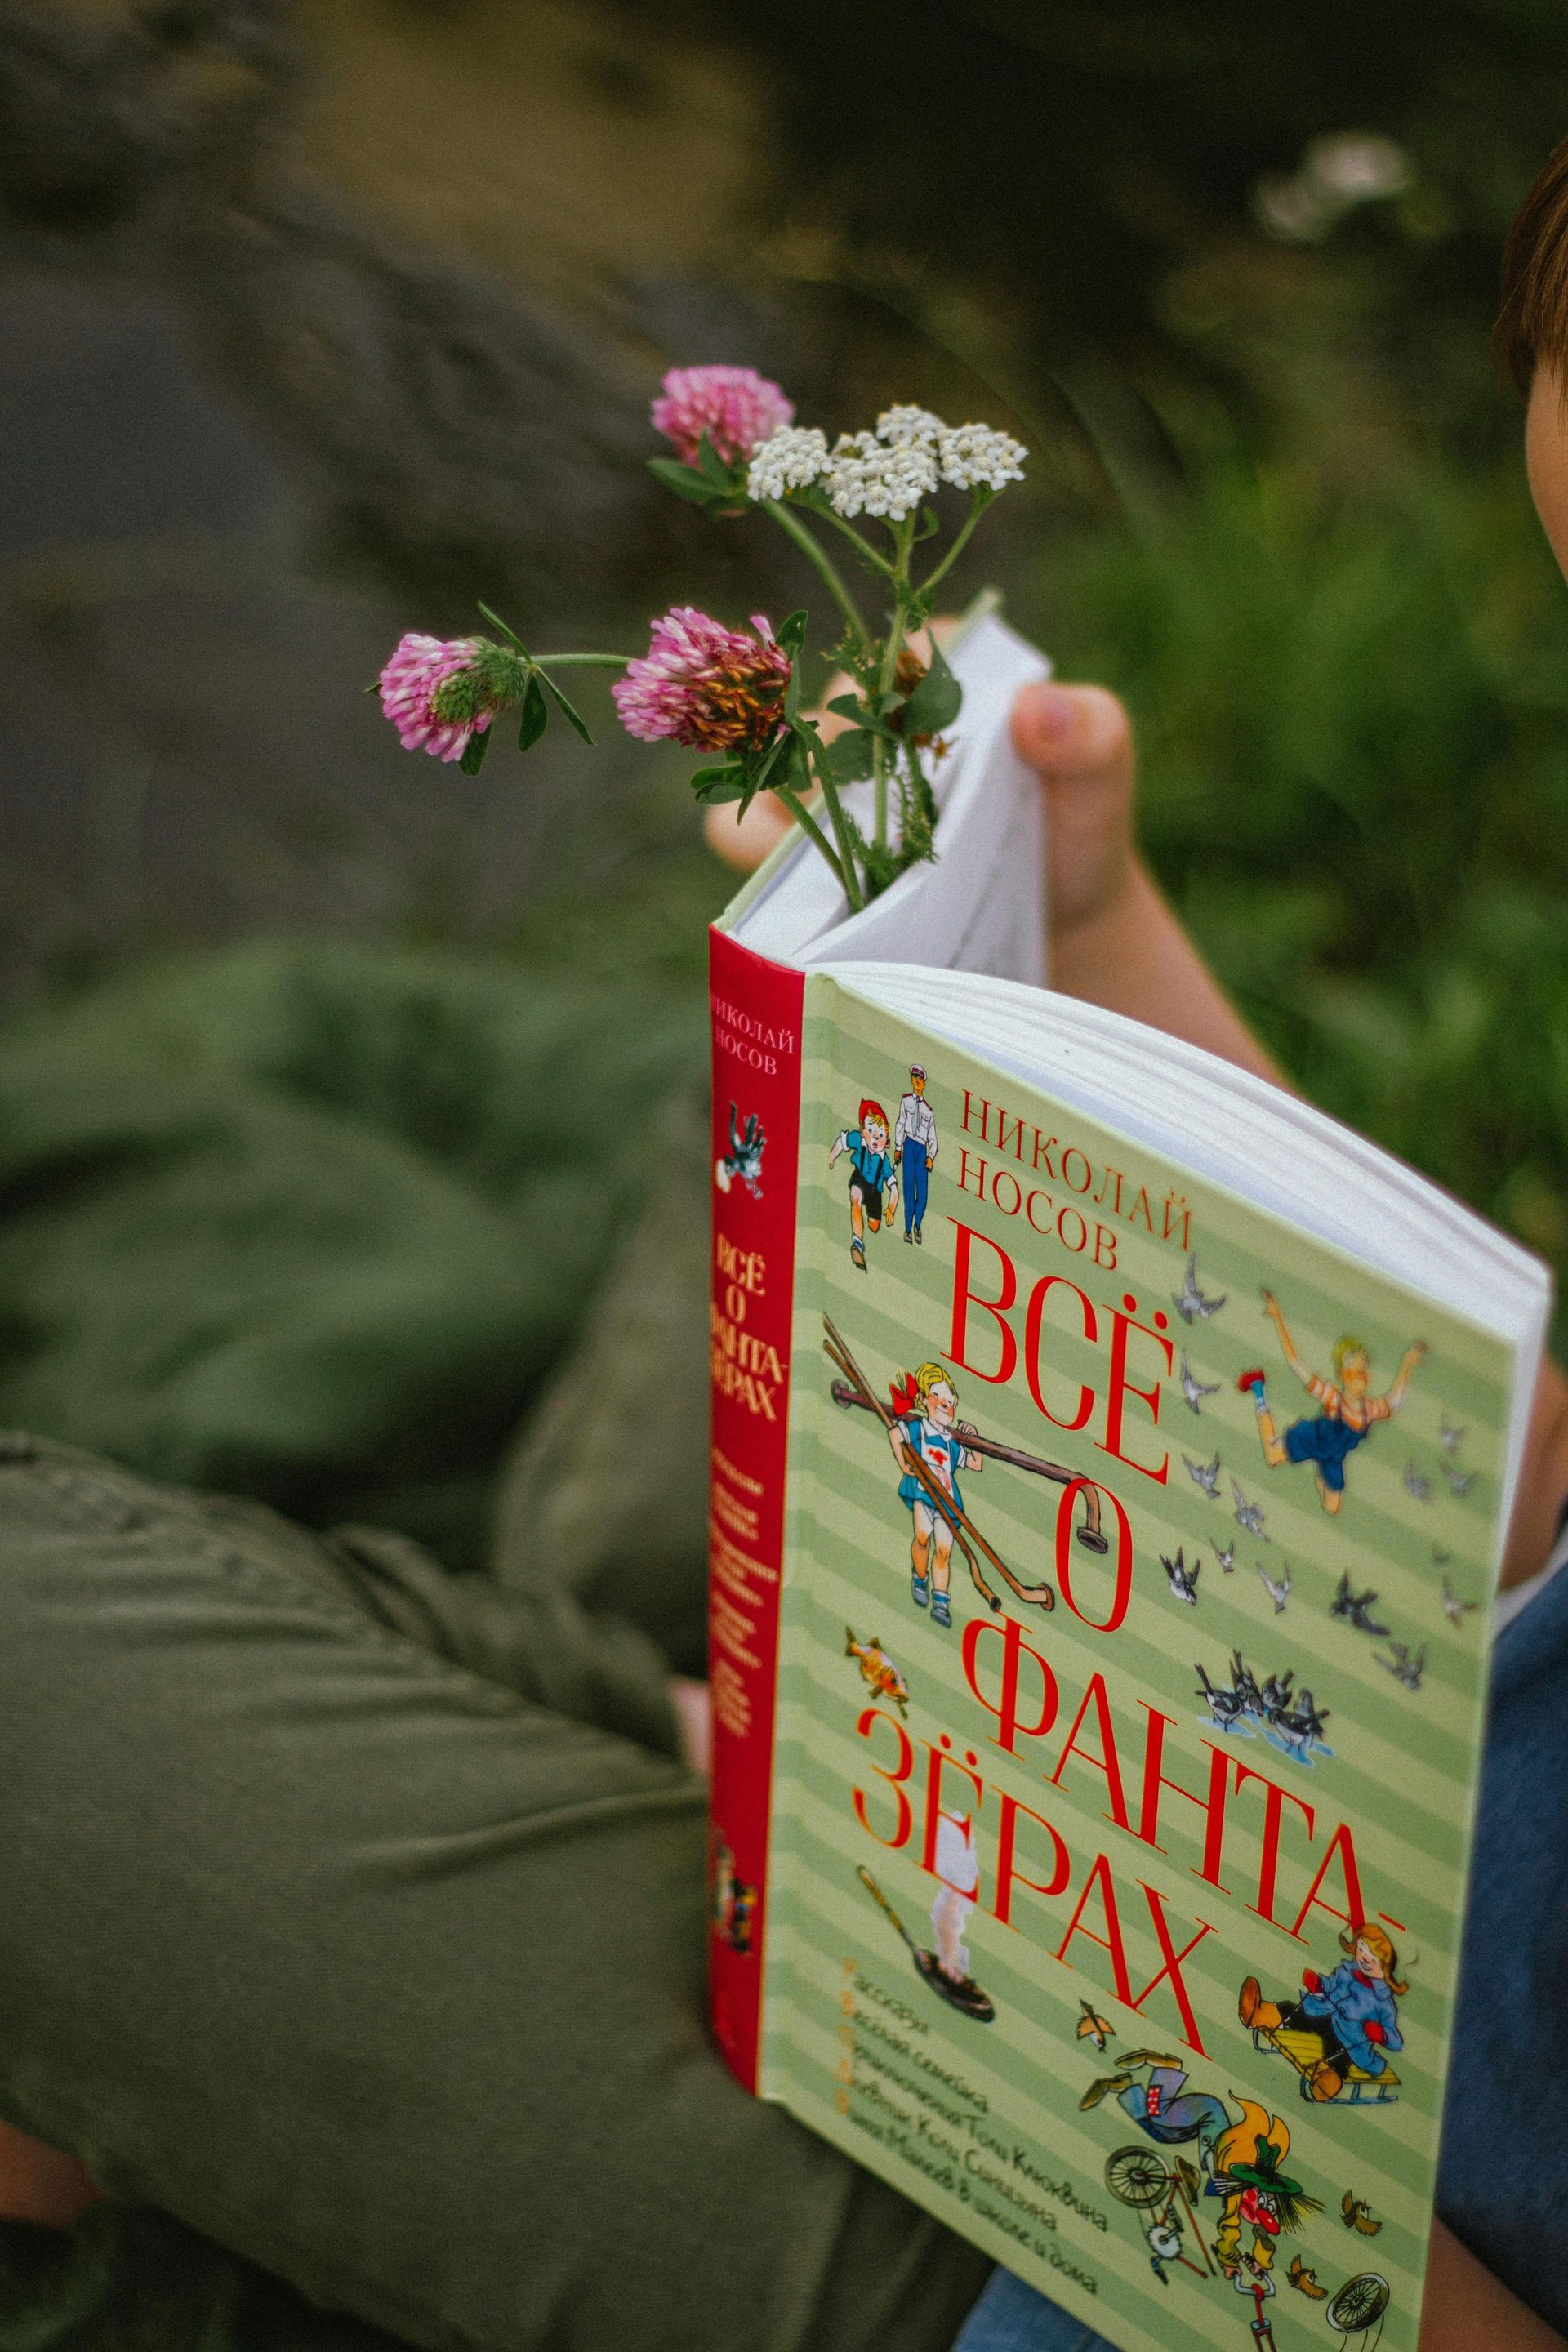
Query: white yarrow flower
{"points": [[909, 422], [866, 476], [973, 455], [791, 460]]}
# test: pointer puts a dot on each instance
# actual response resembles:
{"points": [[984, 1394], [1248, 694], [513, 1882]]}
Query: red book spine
{"points": [[756, 1013]]}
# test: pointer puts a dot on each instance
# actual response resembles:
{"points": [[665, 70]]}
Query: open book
{"points": [[1111, 1458]]}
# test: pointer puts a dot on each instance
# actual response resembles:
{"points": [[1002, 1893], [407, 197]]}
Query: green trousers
{"points": [[354, 1915]]}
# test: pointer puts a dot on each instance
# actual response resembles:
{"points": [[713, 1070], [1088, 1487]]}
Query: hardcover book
{"points": [[1110, 1462]]}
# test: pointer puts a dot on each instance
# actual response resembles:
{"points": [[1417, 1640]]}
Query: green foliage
{"points": [[1352, 722]]}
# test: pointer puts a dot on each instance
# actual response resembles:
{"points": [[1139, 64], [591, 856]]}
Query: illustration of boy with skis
{"points": [[873, 1183], [1327, 1438], [926, 1405]]}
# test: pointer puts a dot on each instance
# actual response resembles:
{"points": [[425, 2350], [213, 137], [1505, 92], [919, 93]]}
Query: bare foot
{"points": [[38, 2184]]}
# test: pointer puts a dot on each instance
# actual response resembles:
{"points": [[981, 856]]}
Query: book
{"points": [[1110, 1462]]}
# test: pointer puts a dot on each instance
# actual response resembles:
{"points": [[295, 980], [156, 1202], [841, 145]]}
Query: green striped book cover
{"points": [[1138, 1556]]}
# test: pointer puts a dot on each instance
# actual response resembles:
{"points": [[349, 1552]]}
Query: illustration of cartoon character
{"points": [[947, 1973], [734, 1903], [1338, 2032], [878, 1669], [873, 1185], [1160, 2104], [930, 1489], [1256, 2195], [744, 1160], [925, 1408], [914, 1149], [1327, 1438]]}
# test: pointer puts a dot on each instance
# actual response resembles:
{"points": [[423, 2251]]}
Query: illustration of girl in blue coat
{"points": [[1350, 2011], [926, 1429]]}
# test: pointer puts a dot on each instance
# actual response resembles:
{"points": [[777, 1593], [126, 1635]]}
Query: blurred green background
{"points": [[321, 321]]}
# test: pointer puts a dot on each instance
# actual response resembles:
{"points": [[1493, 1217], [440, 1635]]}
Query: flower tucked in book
{"points": [[734, 692]]}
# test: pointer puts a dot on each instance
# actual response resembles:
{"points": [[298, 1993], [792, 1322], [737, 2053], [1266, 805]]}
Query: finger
{"points": [[1074, 731], [745, 842]]}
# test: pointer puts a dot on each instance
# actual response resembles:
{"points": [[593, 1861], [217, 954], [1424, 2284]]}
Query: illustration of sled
{"points": [[1305, 2050]]}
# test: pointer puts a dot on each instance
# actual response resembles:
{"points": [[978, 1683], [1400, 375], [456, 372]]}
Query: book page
{"points": [[1122, 1932]]}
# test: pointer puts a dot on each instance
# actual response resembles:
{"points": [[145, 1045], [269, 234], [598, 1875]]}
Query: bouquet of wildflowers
{"points": [[872, 497]]}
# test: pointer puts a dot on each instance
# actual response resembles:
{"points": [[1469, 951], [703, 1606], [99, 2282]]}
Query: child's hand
{"points": [[1079, 742]]}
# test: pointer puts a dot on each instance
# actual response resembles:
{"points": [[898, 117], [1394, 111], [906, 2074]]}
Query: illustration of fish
{"points": [[1194, 1390], [1454, 1608], [1405, 1668], [1357, 2215], [1204, 1475], [1415, 1484], [1092, 2027], [1183, 1581], [878, 1669], [1189, 1301], [1248, 1515], [1277, 1592], [1304, 2281]]}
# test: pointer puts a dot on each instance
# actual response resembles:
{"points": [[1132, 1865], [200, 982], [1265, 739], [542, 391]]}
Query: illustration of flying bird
{"points": [[1452, 1607], [1416, 1485], [1356, 2214], [1405, 1668], [1183, 1581], [1277, 1592], [1093, 2028], [1225, 1559], [1189, 1301], [878, 1669], [1248, 1515], [1194, 1389], [1356, 1606], [1204, 1475], [1304, 2281], [1460, 1481], [1447, 1435]]}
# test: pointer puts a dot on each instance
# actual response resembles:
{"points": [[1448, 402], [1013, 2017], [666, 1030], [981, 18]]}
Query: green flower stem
{"points": [[594, 661], [863, 547], [818, 555], [983, 499], [904, 538], [841, 860], [815, 752]]}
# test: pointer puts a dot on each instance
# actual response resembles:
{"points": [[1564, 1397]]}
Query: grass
{"points": [[1353, 713]]}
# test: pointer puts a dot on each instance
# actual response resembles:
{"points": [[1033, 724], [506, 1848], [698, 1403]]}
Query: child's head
{"points": [[917, 1079], [1531, 338], [1352, 1367], [873, 1123], [938, 1399], [1374, 1955]]}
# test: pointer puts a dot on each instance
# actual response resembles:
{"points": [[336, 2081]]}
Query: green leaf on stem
{"points": [[687, 483], [474, 750], [714, 786], [497, 623], [711, 464], [571, 717], [535, 714], [936, 700], [850, 756]]}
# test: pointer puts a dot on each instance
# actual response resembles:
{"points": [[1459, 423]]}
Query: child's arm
{"points": [[1272, 1309], [840, 1143], [1407, 1363]]}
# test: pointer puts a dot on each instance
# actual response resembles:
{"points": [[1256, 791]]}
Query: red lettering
{"points": [[1212, 1806], [1172, 1967], [1005, 1710], [1007, 1873], [1066, 1555], [906, 1753], [1120, 1388], [1342, 1845], [1033, 1329], [963, 1297], [1099, 1875], [1273, 1810], [1107, 1762]]}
